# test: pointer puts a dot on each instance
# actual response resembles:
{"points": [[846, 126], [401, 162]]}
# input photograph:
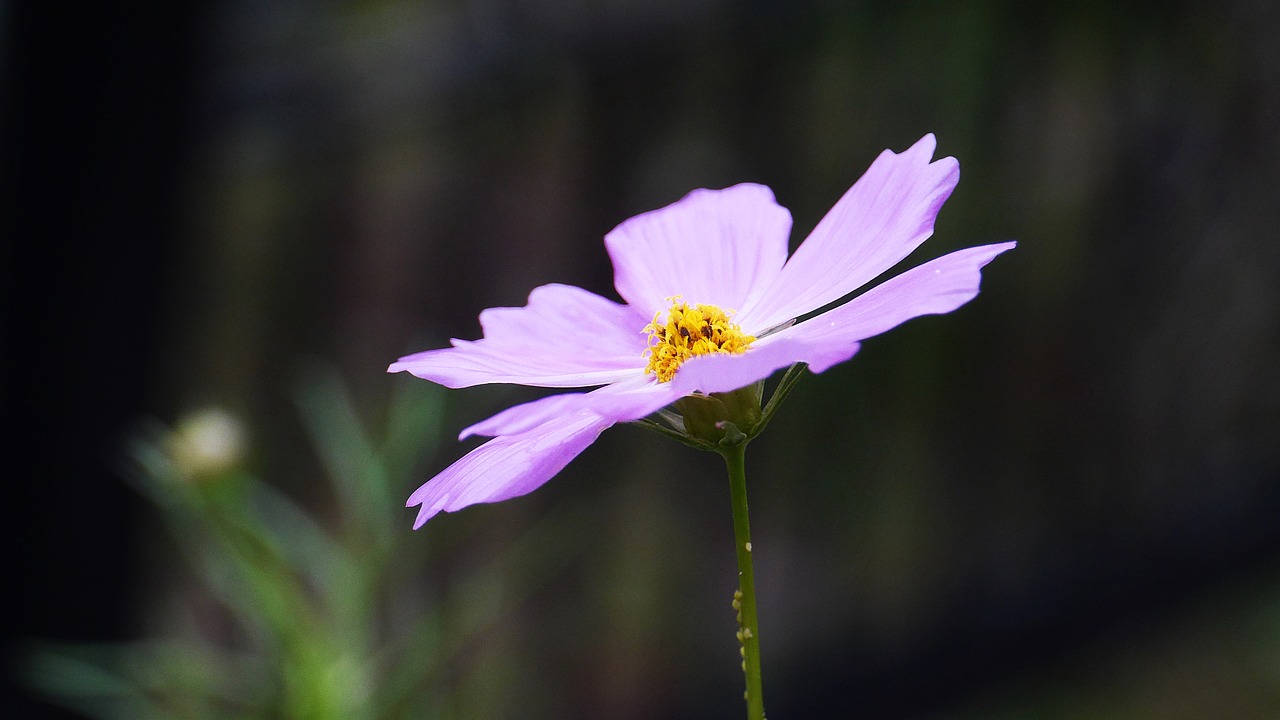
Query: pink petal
{"points": [[938, 286], [508, 466], [522, 418], [879, 221], [718, 247], [723, 373], [564, 337], [631, 399]]}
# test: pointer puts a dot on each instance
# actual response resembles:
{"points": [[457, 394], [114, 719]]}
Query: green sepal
{"points": [[722, 420], [720, 417]]}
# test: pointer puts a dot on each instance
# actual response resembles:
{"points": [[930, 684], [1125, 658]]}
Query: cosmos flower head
{"points": [[711, 303]]}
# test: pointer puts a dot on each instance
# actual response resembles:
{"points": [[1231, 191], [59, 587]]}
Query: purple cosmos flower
{"points": [[711, 297]]}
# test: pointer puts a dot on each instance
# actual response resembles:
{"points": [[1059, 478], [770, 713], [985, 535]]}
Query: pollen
{"points": [[690, 331]]}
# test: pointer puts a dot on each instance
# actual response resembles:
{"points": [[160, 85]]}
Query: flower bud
{"points": [[207, 443]]}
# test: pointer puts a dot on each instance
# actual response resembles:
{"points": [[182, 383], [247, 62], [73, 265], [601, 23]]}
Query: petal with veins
{"points": [[716, 247], [508, 466], [887, 213], [631, 399], [936, 287], [564, 337], [939, 286], [724, 373]]}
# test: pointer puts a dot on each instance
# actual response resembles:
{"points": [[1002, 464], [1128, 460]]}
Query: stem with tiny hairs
{"points": [[744, 600]]}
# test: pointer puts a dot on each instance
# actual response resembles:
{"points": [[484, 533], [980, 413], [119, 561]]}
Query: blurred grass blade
{"points": [[346, 451]]}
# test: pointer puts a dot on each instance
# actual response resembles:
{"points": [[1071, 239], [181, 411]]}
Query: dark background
{"points": [[1060, 499]]}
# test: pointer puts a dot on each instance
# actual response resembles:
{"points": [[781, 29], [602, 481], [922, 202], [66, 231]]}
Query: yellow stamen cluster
{"points": [[689, 332]]}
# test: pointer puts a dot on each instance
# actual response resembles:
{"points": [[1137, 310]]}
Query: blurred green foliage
{"points": [[288, 610]]}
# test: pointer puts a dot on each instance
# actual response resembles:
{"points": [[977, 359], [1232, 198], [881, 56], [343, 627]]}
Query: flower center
{"points": [[690, 332]]}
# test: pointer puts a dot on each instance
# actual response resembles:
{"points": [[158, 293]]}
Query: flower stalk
{"points": [[744, 600]]}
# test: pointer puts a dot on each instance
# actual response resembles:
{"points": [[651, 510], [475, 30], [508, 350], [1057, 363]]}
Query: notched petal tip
{"points": [[926, 145]]}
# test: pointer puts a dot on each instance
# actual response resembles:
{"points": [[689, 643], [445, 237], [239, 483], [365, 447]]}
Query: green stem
{"points": [[745, 598]]}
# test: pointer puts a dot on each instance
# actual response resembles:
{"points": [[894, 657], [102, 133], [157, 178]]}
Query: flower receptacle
{"points": [[731, 417]]}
